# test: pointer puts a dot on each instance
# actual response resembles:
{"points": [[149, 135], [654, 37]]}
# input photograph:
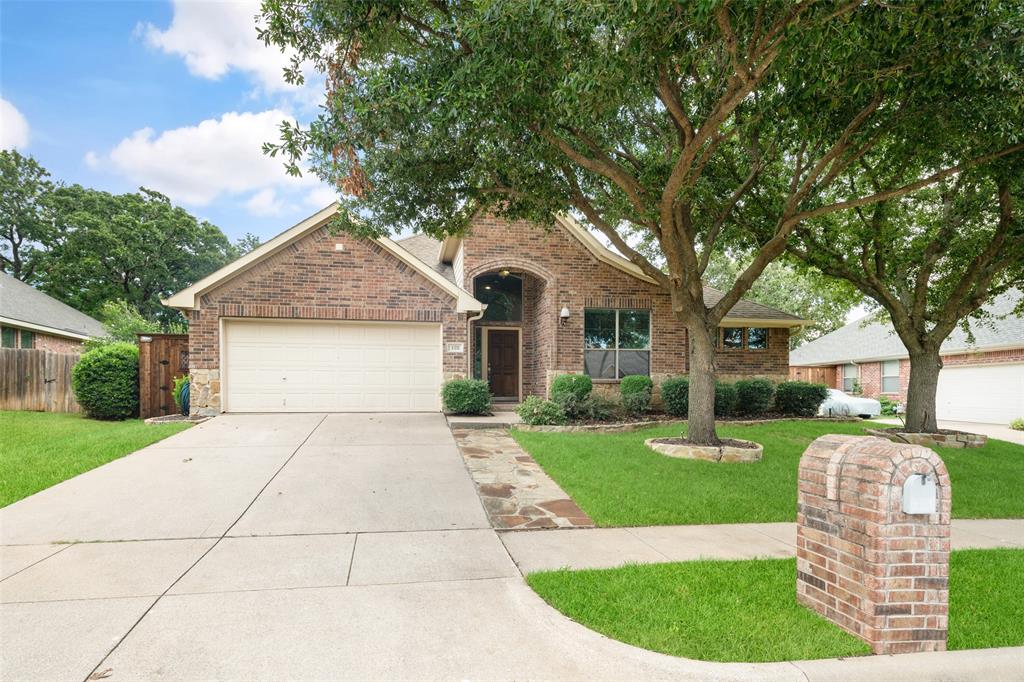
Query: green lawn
{"points": [[618, 481], [41, 449], [747, 610]]}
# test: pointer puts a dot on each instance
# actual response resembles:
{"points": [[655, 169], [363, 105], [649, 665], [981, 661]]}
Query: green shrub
{"points": [[754, 396], [636, 391], [726, 397], [888, 406], [106, 381], [466, 396], [579, 385], [675, 395], [536, 411], [179, 386], [600, 408], [799, 398], [1017, 424]]}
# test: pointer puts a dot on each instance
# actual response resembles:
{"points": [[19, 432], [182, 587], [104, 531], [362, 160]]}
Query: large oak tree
{"points": [[698, 124]]}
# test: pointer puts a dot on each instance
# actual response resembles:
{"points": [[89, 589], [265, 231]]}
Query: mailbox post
{"points": [[873, 541]]}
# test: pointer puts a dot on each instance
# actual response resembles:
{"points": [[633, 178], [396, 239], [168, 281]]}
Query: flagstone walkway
{"points": [[515, 491]]}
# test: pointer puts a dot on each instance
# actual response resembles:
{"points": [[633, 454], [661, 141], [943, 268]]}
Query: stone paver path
{"points": [[610, 547], [515, 491]]}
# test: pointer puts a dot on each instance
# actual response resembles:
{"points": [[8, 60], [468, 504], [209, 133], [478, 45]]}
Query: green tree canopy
{"points": [[698, 124], [24, 228], [137, 248]]}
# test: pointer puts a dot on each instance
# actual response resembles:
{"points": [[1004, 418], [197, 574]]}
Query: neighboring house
{"points": [[981, 380], [31, 319], [312, 320]]}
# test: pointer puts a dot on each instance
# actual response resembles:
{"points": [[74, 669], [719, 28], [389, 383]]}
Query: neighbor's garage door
{"points": [[290, 366], [983, 393]]}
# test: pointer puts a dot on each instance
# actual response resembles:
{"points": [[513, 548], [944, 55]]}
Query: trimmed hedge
{"points": [[106, 381], [755, 396], [636, 391], [675, 395], [726, 397], [799, 398], [466, 396], [536, 411], [579, 385]]}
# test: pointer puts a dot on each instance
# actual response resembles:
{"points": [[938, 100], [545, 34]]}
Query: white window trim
{"points": [[648, 349]]}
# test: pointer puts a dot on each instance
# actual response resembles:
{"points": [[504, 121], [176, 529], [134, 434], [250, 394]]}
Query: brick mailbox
{"points": [[873, 541]]}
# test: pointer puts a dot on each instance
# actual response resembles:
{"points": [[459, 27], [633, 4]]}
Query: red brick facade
{"points": [[863, 563], [312, 279], [44, 341], [562, 273], [870, 373]]}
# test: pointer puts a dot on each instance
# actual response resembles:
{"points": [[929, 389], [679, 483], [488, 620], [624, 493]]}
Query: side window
{"points": [[732, 337], [8, 337], [27, 339], [851, 373]]}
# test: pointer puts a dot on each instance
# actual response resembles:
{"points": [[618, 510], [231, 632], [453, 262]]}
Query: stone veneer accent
{"points": [[708, 453], [958, 439], [875, 571]]}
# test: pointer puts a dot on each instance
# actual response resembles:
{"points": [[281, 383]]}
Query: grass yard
{"points": [[618, 481], [747, 610], [41, 449]]}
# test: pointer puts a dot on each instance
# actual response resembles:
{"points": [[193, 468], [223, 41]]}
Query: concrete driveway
{"points": [[305, 547]]}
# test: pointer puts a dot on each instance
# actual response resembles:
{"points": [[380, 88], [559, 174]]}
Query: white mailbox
{"points": [[920, 495]]}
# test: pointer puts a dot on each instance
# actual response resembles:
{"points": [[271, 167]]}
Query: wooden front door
{"points": [[503, 362]]}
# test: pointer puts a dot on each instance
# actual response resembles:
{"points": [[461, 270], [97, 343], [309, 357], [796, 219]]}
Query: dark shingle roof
{"points": [[872, 339], [748, 310], [22, 303], [427, 249]]}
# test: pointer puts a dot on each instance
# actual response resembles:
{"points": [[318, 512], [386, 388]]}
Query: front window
{"points": [[732, 337], [616, 343], [891, 376], [757, 338], [502, 292], [850, 376]]}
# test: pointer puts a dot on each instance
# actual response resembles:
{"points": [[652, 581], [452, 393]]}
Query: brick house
{"points": [[31, 319], [318, 321], [982, 379]]}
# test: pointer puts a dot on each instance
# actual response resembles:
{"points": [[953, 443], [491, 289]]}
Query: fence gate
{"points": [[37, 380], [162, 357]]}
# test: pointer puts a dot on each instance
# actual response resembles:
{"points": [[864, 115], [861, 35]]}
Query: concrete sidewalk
{"points": [[610, 547]]}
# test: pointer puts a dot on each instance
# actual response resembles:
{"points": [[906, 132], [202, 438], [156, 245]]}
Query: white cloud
{"points": [[264, 203], [217, 157], [13, 127], [321, 197], [217, 37]]}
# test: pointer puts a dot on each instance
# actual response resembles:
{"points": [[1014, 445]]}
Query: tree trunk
{"points": [[701, 427], [924, 382]]}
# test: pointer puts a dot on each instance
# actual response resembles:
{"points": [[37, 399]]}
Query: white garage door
{"points": [[292, 366], [984, 393]]}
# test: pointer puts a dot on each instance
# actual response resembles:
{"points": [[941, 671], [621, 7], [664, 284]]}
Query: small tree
{"points": [[698, 124]]}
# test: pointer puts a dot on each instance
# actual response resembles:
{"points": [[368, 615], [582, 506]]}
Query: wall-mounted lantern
{"points": [[564, 315]]}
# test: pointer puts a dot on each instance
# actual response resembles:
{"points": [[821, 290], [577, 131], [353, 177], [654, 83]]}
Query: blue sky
{"points": [[174, 96]]}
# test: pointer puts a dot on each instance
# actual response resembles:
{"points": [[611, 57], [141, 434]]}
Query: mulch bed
{"points": [[727, 442]]}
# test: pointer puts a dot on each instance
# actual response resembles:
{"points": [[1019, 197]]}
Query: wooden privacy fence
{"points": [[37, 380], [162, 357], [813, 375]]}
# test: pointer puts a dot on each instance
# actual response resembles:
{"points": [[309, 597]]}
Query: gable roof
{"points": [[188, 298], [426, 248], [868, 340], [24, 306]]}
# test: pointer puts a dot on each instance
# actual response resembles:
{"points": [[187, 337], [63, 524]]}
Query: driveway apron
{"points": [[303, 547]]}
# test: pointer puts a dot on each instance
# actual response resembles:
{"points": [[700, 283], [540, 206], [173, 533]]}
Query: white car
{"points": [[839, 404]]}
